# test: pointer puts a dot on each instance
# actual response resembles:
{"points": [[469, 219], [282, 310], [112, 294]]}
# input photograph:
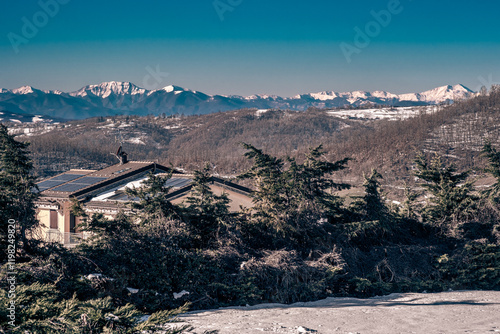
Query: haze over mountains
{"points": [[112, 98]]}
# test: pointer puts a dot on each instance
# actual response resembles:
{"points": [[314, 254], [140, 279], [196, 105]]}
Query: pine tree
{"points": [[409, 207], [205, 212], [374, 203], [17, 185], [370, 206], [153, 205], [267, 175], [451, 193], [494, 170], [312, 184], [45, 311], [294, 199]]}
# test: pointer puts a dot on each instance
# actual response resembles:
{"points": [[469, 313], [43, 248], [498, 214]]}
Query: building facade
{"points": [[104, 191]]}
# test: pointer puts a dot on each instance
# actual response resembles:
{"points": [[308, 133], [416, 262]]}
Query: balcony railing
{"points": [[67, 239]]}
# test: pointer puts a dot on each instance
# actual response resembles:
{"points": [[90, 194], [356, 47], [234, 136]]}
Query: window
{"points": [[53, 219], [72, 223]]}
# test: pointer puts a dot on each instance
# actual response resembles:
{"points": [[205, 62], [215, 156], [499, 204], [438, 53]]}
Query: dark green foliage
{"points": [[41, 309], [206, 212], [153, 204], [371, 206], [138, 257], [16, 185], [494, 169], [409, 205], [452, 199], [375, 207], [267, 174], [476, 266], [294, 201]]}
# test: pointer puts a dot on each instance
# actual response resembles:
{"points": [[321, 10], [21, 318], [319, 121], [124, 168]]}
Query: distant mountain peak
{"points": [[23, 90], [117, 97], [169, 88], [118, 86], [173, 88], [446, 93], [105, 89], [462, 87], [57, 92]]}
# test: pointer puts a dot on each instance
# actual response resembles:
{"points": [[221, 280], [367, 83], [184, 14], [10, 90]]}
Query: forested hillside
{"points": [[456, 132]]}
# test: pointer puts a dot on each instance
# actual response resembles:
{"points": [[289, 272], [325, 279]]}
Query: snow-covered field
{"points": [[396, 113], [425, 313]]}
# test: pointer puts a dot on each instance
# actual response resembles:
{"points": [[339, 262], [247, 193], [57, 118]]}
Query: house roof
{"points": [[106, 188], [76, 183], [180, 186]]}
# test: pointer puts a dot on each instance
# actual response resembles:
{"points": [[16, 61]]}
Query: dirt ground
{"points": [[446, 312]]}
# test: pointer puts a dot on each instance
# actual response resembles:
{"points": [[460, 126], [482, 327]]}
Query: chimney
{"points": [[121, 155], [123, 158]]}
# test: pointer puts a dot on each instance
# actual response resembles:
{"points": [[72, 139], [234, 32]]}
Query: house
{"points": [[103, 191]]}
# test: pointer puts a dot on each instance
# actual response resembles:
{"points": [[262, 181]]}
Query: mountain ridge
{"points": [[115, 97]]}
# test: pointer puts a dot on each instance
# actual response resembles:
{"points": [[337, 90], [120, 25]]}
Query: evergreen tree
{"points": [[16, 187], [371, 205], [451, 193], [312, 185], [294, 201], [374, 203], [267, 175], [153, 205], [205, 212], [46, 311], [494, 170], [408, 208]]}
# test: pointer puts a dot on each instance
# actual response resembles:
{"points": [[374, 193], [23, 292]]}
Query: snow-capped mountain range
{"points": [[112, 98]]}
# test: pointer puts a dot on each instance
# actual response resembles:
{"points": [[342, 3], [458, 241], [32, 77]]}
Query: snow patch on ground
{"points": [[111, 125], [132, 290], [260, 112], [168, 127], [396, 313], [389, 113], [137, 141], [126, 125], [178, 295]]}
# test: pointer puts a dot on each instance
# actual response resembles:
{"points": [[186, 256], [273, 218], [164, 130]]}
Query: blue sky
{"points": [[250, 46]]}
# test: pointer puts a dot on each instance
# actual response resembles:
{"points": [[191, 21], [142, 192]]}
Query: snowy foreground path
{"points": [[446, 312]]}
